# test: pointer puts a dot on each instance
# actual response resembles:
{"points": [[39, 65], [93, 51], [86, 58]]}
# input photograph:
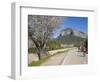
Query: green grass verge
{"points": [[38, 63]]}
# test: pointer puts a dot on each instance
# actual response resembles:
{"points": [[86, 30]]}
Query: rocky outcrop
{"points": [[72, 32]]}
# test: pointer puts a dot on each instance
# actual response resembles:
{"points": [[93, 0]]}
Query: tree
{"points": [[40, 28]]}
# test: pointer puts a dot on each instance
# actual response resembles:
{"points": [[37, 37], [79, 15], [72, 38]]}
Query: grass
{"points": [[38, 63], [31, 50]]}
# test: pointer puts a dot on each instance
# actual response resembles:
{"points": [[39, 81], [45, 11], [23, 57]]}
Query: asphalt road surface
{"points": [[71, 57]]}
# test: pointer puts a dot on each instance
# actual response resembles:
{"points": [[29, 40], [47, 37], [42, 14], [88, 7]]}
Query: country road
{"points": [[70, 57]]}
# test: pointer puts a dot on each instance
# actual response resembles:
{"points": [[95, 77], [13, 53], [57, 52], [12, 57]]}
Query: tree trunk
{"points": [[39, 46], [41, 53]]}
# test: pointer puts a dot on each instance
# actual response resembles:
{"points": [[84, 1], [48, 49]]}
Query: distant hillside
{"points": [[69, 32], [70, 36]]}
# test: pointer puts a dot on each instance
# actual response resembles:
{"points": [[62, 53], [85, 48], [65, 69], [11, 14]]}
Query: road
{"points": [[70, 57]]}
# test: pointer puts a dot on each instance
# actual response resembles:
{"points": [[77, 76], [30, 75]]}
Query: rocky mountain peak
{"points": [[69, 31]]}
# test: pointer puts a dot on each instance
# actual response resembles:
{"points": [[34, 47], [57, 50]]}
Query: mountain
{"points": [[71, 36], [71, 32]]}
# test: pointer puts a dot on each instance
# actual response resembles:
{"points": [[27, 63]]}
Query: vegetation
{"points": [[53, 45], [76, 41], [38, 63], [32, 50], [40, 28]]}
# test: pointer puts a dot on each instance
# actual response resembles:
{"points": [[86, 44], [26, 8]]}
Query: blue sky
{"points": [[76, 23]]}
